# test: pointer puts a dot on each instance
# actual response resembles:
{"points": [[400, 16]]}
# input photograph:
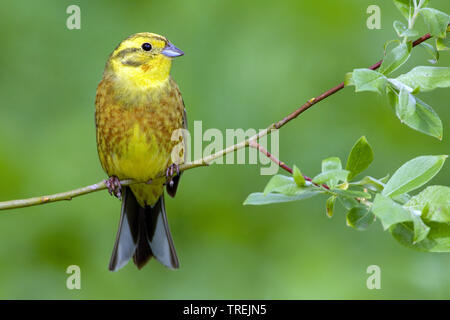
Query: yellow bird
{"points": [[137, 108]]}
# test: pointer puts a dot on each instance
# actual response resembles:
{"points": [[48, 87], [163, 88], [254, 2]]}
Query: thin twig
{"points": [[260, 148], [12, 204], [280, 163]]}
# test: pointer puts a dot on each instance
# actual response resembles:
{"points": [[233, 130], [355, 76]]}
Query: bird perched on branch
{"points": [[137, 108]]}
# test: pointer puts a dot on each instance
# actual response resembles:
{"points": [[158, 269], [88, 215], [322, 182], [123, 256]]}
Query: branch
{"points": [[198, 163], [280, 163], [260, 148]]}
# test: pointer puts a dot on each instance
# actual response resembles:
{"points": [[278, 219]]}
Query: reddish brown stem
{"points": [[280, 163]]}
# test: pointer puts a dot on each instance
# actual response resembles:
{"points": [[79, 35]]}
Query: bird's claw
{"points": [[114, 186], [170, 172]]}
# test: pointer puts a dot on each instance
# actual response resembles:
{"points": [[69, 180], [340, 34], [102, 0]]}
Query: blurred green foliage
{"points": [[247, 64]]}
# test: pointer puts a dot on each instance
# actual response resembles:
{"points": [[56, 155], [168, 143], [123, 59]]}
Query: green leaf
{"points": [[406, 106], [397, 85], [361, 156], [331, 176], [436, 21], [280, 183], [385, 179], [369, 183], [437, 239], [348, 80], [405, 7], [259, 198], [330, 206], [392, 95], [352, 193], [424, 119], [403, 31], [421, 230], [329, 165], [413, 174], [395, 58], [387, 43], [360, 218], [348, 202], [443, 44], [332, 163], [368, 80], [426, 78], [432, 51], [402, 198], [298, 177], [433, 202], [389, 212]]}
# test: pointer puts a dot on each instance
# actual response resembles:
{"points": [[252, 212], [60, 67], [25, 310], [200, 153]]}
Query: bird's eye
{"points": [[146, 46]]}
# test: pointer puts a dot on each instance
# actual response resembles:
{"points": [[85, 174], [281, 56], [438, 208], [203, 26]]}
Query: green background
{"points": [[247, 64]]}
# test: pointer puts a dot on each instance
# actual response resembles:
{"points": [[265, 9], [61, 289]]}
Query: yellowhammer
{"points": [[137, 108]]}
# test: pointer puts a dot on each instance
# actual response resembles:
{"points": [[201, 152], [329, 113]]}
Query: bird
{"points": [[138, 106]]}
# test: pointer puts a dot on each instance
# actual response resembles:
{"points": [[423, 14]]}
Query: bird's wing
{"points": [[172, 187]]}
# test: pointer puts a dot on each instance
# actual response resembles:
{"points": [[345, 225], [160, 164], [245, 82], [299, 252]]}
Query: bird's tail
{"points": [[143, 233]]}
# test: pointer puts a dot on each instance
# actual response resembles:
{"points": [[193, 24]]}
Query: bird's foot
{"points": [[114, 186], [170, 173]]}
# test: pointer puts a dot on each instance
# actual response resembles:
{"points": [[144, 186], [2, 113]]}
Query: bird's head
{"points": [[143, 58]]}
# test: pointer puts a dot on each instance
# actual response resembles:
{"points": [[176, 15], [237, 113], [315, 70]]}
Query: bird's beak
{"points": [[171, 51]]}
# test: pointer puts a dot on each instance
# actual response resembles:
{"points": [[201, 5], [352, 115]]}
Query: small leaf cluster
{"points": [[402, 90], [421, 222]]}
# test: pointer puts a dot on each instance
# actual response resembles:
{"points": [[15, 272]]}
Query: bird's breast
{"points": [[134, 134]]}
